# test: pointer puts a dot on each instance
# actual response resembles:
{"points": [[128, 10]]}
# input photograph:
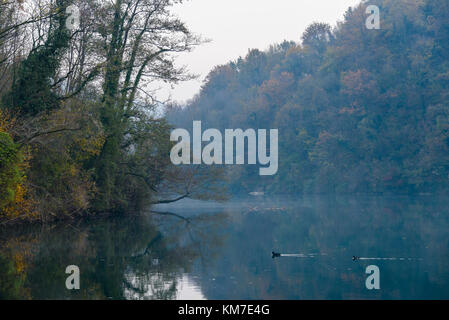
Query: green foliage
{"points": [[11, 283], [10, 173], [33, 91]]}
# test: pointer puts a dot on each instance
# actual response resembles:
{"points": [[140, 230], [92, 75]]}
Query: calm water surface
{"points": [[203, 250]]}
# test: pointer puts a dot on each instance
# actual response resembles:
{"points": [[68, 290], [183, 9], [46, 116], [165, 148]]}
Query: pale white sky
{"points": [[234, 26]]}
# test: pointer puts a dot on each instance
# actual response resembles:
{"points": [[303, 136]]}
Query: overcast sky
{"points": [[234, 26]]}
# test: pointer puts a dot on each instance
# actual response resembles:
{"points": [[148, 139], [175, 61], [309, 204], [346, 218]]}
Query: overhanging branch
{"points": [[171, 201]]}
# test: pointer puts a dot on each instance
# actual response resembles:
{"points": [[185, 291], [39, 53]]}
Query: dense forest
{"points": [[81, 132], [358, 110], [79, 127]]}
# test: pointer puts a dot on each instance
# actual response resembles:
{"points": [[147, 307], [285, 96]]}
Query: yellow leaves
{"points": [[89, 146], [56, 182], [19, 261], [19, 251], [6, 121], [21, 206], [73, 171]]}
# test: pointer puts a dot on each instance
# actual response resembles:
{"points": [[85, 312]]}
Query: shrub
{"points": [[11, 175]]}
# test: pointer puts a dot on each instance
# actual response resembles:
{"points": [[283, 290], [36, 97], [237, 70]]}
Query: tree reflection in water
{"points": [[223, 251], [119, 258]]}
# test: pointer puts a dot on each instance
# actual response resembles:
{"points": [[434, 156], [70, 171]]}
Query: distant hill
{"points": [[357, 110]]}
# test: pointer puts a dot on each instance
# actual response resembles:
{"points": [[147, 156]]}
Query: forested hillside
{"points": [[358, 110], [79, 134]]}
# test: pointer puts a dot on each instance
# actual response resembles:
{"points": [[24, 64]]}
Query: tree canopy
{"points": [[358, 110]]}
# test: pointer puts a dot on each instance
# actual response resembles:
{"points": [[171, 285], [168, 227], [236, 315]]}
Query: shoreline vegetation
{"points": [[81, 133]]}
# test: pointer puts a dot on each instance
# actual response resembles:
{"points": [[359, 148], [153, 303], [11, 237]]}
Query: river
{"points": [[208, 250]]}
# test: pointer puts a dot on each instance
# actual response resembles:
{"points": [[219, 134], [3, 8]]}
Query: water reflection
{"points": [[119, 258], [150, 286], [223, 251]]}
